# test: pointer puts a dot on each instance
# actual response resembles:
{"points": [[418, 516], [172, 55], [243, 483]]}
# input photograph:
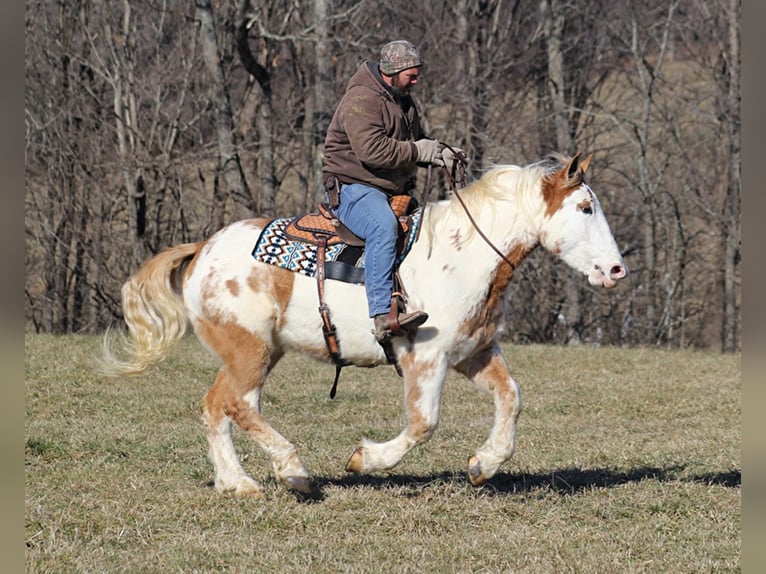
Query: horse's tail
{"points": [[154, 313]]}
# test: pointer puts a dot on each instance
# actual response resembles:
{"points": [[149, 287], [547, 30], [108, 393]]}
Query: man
{"points": [[374, 144]]}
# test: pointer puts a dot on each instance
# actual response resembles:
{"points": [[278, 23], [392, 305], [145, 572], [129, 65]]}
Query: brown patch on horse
{"points": [[556, 187], [283, 288], [208, 293], [456, 240], [212, 404], [242, 413], [246, 357], [279, 282], [487, 371], [556, 190], [233, 287], [419, 427], [585, 204], [482, 323], [224, 399]]}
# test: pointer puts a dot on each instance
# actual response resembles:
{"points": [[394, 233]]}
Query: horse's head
{"points": [[575, 227]]}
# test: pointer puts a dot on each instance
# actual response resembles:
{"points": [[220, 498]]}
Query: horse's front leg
{"points": [[423, 383], [488, 371]]}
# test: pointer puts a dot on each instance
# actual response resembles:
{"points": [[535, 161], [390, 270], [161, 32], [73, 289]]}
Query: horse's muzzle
{"points": [[600, 277]]}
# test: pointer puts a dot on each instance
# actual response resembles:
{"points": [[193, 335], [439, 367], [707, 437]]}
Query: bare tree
{"points": [[254, 26], [61, 199], [130, 148], [119, 194], [729, 110], [552, 21], [717, 193], [228, 156]]}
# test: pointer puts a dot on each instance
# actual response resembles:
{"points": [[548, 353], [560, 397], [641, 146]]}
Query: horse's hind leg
{"points": [[229, 474], [247, 359], [488, 371]]}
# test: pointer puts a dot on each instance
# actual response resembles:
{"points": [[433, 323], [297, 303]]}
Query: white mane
{"points": [[482, 198]]}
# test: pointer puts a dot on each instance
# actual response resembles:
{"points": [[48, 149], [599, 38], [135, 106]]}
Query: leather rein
{"points": [[456, 177]]}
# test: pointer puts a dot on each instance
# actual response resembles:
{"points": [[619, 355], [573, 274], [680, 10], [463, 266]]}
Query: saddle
{"points": [[323, 229], [323, 226]]}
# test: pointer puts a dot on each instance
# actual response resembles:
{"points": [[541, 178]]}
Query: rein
{"points": [[458, 177]]}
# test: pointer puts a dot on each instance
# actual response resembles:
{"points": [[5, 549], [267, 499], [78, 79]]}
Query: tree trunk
{"points": [[228, 159], [732, 213], [266, 205], [121, 77], [553, 28]]}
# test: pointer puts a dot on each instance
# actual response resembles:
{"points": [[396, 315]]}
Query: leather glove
{"points": [[450, 157], [429, 152]]}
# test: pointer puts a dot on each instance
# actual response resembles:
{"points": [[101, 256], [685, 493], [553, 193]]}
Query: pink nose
{"points": [[618, 272]]}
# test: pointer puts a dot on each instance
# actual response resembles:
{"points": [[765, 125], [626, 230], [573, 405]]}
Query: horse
{"points": [[249, 314]]}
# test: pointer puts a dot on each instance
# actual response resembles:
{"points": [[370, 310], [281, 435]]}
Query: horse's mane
{"points": [[499, 183]]}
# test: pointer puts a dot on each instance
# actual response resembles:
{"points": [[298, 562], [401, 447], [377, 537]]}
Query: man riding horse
{"points": [[374, 144]]}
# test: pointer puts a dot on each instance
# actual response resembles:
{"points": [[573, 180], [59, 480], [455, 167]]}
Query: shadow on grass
{"points": [[565, 481]]}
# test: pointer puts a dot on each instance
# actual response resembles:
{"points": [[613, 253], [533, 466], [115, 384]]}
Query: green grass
{"points": [[627, 460]]}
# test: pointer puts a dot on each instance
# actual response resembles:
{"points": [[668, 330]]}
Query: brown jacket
{"points": [[371, 136]]}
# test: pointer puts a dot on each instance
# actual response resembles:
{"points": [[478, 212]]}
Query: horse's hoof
{"points": [[246, 488], [475, 475], [356, 461], [250, 493], [300, 484]]}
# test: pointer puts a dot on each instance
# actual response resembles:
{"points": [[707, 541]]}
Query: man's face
{"points": [[405, 80]]}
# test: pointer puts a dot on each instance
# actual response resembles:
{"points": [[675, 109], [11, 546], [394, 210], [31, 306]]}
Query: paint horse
{"points": [[249, 314]]}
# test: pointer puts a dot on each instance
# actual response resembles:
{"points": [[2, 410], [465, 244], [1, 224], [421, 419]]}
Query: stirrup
{"points": [[388, 325]]}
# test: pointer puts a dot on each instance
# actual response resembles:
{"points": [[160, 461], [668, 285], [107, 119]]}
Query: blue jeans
{"points": [[366, 212]]}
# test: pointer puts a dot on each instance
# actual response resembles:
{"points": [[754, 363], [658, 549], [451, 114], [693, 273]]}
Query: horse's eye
{"points": [[587, 210]]}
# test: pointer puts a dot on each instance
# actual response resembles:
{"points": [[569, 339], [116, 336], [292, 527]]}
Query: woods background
{"points": [[150, 123]]}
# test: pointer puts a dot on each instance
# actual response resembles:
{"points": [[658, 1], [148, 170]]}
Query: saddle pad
{"points": [[275, 247]]}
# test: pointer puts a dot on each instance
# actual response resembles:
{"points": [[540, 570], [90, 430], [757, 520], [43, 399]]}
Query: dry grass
{"points": [[627, 461]]}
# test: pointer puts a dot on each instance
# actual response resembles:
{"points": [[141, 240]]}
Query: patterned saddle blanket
{"points": [[280, 245]]}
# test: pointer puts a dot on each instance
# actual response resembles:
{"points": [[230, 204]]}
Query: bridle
{"points": [[456, 177]]}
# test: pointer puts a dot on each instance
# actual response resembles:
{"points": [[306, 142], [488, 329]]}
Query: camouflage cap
{"points": [[398, 56]]}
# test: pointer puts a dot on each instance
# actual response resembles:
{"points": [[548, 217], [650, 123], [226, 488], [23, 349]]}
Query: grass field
{"points": [[627, 460]]}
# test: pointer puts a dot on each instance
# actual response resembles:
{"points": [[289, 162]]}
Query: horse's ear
{"points": [[573, 165], [585, 163]]}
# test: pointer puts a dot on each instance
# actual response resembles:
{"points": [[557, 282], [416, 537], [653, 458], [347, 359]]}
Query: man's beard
{"points": [[399, 89]]}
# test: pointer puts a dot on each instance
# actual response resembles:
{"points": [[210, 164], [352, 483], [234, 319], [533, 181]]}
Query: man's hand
{"points": [[450, 156], [429, 152]]}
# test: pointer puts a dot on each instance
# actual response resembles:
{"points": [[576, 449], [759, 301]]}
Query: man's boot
{"points": [[407, 322]]}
